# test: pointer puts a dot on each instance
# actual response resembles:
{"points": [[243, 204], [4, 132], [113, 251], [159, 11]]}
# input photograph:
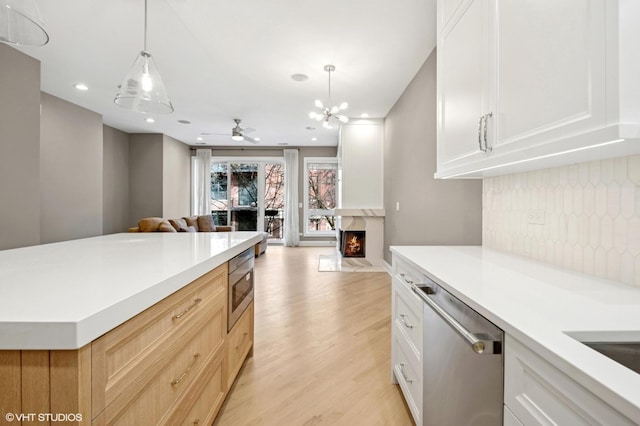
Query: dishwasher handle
{"points": [[479, 346]]}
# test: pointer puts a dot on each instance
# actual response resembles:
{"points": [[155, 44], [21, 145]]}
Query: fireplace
{"points": [[352, 243]]}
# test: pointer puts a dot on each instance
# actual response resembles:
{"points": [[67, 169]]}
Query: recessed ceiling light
{"points": [[199, 138], [256, 139], [150, 120], [184, 122], [81, 86], [314, 139], [310, 128], [299, 77], [364, 115]]}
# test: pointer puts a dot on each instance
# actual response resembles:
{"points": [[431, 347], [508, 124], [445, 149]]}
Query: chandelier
{"points": [[326, 113]]}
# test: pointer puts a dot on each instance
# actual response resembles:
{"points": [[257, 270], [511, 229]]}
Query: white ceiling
{"points": [[225, 59]]}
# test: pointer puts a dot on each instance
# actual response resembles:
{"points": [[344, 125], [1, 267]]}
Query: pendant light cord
{"points": [[145, 25], [329, 85]]}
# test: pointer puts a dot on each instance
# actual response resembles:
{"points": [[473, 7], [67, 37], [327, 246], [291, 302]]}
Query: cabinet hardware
{"points": [[186, 311], [406, 324], [480, 121], [486, 145], [404, 277], [184, 374], [404, 376]]}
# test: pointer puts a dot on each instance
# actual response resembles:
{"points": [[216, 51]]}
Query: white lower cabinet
{"points": [[510, 419], [406, 342], [537, 393]]}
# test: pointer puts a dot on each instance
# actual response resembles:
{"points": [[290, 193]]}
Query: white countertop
{"points": [[538, 304], [64, 295]]}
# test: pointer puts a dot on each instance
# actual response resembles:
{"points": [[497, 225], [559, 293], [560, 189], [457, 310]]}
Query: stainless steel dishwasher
{"points": [[463, 362]]}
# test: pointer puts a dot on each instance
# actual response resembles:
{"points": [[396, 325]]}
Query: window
{"points": [[249, 194], [321, 177]]}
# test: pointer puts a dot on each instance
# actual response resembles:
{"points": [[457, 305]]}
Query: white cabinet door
{"points": [[537, 393], [465, 84], [551, 71], [510, 419], [446, 10]]}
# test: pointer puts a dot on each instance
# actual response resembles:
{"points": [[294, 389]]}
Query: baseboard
{"points": [[311, 243], [388, 268]]}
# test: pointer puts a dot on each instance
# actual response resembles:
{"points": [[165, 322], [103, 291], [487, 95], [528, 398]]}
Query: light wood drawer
{"points": [[150, 398], [123, 354], [204, 399], [239, 344]]}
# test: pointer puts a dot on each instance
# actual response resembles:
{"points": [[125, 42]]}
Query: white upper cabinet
{"points": [[561, 84], [465, 84]]}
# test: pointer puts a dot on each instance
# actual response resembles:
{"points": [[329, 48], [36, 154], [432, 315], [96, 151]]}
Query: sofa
{"points": [[191, 224]]}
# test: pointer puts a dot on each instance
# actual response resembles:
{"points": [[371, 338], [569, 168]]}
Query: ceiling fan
{"points": [[238, 133]]}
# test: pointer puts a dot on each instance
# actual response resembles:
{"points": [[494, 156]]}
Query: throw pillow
{"points": [[192, 221], [180, 225], [191, 229], [205, 223]]}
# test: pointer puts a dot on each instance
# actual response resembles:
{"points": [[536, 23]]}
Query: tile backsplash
{"points": [[584, 217]]}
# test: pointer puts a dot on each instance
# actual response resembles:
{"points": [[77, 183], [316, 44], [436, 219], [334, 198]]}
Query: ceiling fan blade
{"points": [[214, 134], [249, 139], [248, 130]]}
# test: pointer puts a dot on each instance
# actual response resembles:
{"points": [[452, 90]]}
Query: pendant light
{"points": [[142, 89], [21, 24], [325, 112]]}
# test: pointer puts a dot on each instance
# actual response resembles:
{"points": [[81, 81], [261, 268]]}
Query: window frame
{"points": [[307, 212]]}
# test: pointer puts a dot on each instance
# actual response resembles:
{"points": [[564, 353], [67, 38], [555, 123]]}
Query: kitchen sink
{"points": [[625, 353], [621, 347]]}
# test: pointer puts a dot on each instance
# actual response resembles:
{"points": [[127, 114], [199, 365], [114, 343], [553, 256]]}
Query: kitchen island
{"points": [[547, 314], [102, 329]]}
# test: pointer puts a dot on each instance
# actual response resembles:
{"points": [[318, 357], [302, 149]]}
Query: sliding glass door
{"points": [[249, 195]]}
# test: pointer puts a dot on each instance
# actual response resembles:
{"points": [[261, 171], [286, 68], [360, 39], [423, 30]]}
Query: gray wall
{"points": [[115, 184], [145, 176], [70, 171], [432, 212], [321, 151], [176, 185], [19, 149]]}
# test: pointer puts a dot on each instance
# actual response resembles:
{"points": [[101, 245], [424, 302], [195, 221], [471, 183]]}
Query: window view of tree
{"points": [[321, 183], [234, 195], [274, 199]]}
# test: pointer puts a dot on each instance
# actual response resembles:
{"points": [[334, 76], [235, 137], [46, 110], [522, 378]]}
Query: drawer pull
{"points": [[244, 335], [186, 311], [404, 376], [406, 324], [404, 277], [184, 374]]}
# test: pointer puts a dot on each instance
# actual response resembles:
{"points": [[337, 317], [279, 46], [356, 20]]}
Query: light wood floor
{"points": [[322, 347]]}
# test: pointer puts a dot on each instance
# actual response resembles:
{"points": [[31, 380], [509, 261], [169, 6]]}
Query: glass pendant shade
{"points": [[142, 89], [21, 24]]}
